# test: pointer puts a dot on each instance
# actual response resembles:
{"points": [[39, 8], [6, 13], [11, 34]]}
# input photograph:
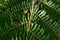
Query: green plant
{"points": [[30, 20]]}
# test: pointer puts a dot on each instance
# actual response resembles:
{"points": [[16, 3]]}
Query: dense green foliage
{"points": [[29, 20]]}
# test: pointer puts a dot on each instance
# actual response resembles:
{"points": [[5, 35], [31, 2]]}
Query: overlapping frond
{"points": [[27, 20]]}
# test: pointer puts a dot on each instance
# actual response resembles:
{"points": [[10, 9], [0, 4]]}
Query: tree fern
{"points": [[30, 20]]}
